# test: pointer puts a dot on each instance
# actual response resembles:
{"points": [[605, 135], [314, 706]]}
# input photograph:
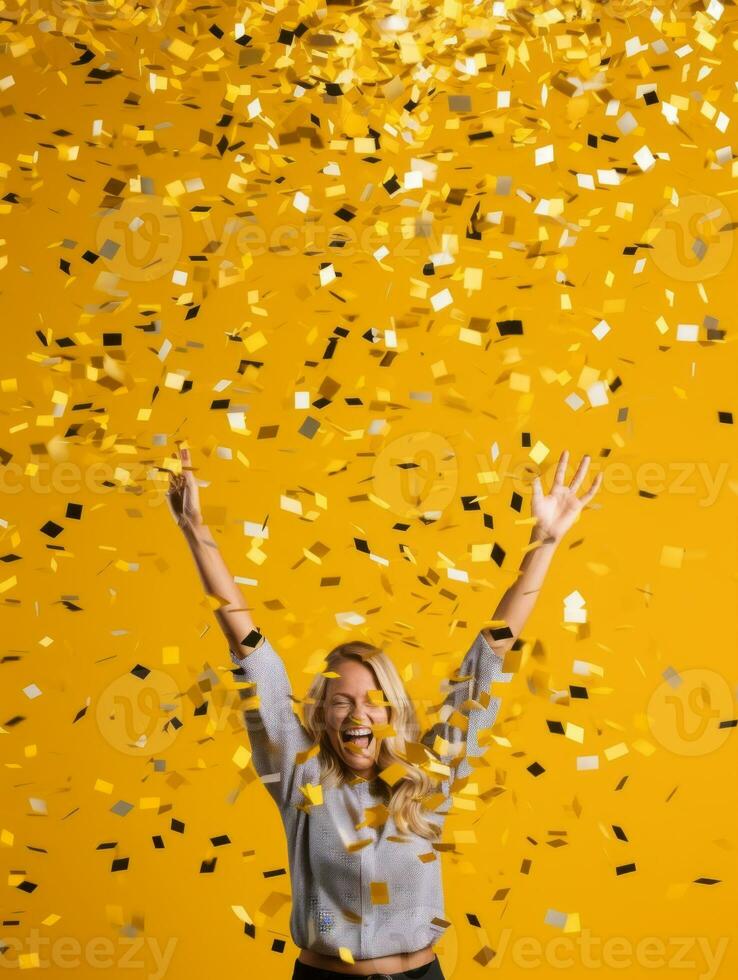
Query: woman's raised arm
{"points": [[554, 513], [468, 708], [277, 738]]}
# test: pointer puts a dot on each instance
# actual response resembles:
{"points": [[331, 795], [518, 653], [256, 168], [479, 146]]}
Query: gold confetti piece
{"points": [[383, 731], [374, 816], [9, 583], [302, 757], [313, 794], [644, 747], [460, 803], [170, 655], [242, 914], [672, 556], [574, 732], [379, 892], [539, 452], [242, 756], [273, 903]]}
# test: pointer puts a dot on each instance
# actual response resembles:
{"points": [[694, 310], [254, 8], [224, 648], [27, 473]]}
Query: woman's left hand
{"points": [[556, 511]]}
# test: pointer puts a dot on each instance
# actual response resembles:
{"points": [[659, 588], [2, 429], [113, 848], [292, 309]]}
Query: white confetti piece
{"points": [[441, 300], [327, 274], [586, 669], [346, 620], [687, 331], [597, 394], [627, 123], [556, 919], [301, 202], [644, 158], [608, 178], [544, 154], [253, 529], [574, 608]]}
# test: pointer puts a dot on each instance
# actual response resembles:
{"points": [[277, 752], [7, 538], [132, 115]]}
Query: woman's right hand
{"points": [[183, 495]]}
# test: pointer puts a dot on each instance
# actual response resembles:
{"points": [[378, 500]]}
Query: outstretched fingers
{"points": [[186, 475], [561, 469], [581, 472], [595, 486], [177, 480]]}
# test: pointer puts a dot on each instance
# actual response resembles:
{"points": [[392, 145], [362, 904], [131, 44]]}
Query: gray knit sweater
{"points": [[332, 903]]}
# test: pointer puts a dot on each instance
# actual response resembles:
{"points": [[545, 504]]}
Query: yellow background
{"points": [[443, 390]]}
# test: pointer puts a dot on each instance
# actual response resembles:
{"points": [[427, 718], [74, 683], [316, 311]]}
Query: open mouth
{"points": [[361, 737]]}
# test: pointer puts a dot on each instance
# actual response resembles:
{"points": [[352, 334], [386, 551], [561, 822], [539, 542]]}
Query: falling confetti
{"points": [[377, 264]]}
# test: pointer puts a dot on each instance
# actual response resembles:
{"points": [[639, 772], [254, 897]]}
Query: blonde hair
{"points": [[408, 793]]}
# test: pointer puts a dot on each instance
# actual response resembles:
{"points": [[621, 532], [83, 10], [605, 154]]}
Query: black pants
{"points": [[429, 971]]}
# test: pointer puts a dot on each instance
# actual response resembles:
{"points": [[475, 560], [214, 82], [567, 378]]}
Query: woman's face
{"points": [[348, 708]]}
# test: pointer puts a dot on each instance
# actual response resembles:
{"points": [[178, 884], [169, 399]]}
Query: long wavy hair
{"points": [[406, 796]]}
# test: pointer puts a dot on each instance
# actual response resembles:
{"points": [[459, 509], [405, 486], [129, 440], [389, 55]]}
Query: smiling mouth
{"points": [[360, 737]]}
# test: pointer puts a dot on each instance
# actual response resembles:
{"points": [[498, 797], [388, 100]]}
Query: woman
{"points": [[362, 795]]}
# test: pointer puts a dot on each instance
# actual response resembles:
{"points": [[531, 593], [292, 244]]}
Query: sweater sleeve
{"points": [[275, 732], [460, 723]]}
